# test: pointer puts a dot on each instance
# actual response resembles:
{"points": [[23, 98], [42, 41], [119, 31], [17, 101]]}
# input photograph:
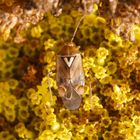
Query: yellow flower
{"points": [[51, 119], [131, 138], [35, 98], [11, 137], [30, 92], [90, 130], [105, 121], [78, 136], [64, 113], [64, 134], [137, 133], [107, 135], [88, 63], [23, 132], [11, 101], [111, 67], [56, 30], [55, 126], [125, 88], [9, 66], [36, 31], [80, 128], [23, 102], [23, 114], [10, 116], [96, 38], [107, 92], [106, 80], [92, 103], [4, 87], [117, 89], [100, 22], [89, 20], [2, 68], [6, 33], [49, 67], [100, 72], [93, 137], [4, 135], [66, 19], [115, 129], [86, 31], [115, 41], [19, 127], [95, 8], [45, 92], [13, 52], [136, 121], [2, 54], [87, 105], [100, 61], [49, 56], [13, 83], [102, 52], [90, 52], [126, 127], [136, 30], [47, 135], [104, 44]]}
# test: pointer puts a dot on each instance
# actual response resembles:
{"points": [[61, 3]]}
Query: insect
{"points": [[70, 75]]}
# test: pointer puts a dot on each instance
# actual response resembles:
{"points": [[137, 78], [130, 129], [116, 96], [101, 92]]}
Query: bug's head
{"points": [[69, 49]]}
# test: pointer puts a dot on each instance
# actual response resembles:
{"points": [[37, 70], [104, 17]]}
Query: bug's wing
{"points": [[76, 71], [62, 71], [73, 100]]}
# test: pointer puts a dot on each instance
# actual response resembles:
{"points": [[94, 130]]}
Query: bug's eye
{"points": [[80, 89], [62, 91]]}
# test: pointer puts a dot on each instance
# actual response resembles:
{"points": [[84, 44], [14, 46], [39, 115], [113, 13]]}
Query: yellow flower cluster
{"points": [[23, 110], [92, 103], [7, 101], [36, 31], [23, 132], [5, 135], [30, 107], [136, 30]]}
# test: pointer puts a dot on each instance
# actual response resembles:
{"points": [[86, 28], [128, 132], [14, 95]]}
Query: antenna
{"points": [[77, 28]]}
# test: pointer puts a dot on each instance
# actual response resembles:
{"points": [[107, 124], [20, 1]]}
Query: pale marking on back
{"points": [[69, 61]]}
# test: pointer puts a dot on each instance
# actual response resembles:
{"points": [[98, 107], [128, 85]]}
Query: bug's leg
{"points": [[50, 91], [90, 96]]}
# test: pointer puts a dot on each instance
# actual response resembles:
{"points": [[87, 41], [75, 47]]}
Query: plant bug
{"points": [[70, 75]]}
